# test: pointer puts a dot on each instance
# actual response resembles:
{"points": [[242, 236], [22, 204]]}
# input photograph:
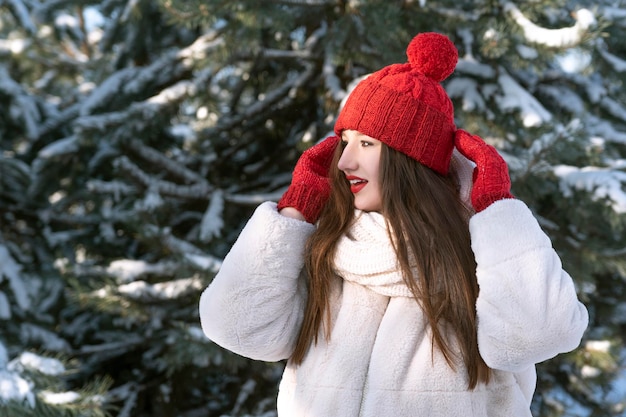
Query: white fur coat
{"points": [[379, 360]]}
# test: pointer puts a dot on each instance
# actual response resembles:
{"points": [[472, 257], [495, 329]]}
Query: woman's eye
{"points": [[365, 143]]}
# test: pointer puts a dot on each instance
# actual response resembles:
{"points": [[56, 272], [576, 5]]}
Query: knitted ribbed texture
{"points": [[310, 186], [405, 106], [491, 181], [365, 255]]}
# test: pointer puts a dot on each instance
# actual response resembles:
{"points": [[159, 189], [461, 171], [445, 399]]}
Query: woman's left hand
{"points": [[491, 181]]}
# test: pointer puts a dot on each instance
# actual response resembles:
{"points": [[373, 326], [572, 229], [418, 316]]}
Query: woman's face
{"points": [[360, 162]]}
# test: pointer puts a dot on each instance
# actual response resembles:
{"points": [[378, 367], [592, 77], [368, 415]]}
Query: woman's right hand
{"points": [[310, 186]]}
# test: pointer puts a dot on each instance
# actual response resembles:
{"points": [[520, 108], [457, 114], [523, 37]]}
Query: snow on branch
{"points": [[199, 48], [12, 271], [116, 188], [605, 130], [196, 256], [128, 270], [315, 3], [20, 11], [253, 199], [277, 54], [212, 220], [467, 89], [553, 38], [14, 387], [107, 90], [158, 159], [279, 94], [614, 108], [602, 183], [618, 64], [143, 114], [65, 146], [128, 81], [514, 96], [23, 106], [194, 191], [170, 290], [331, 81]]}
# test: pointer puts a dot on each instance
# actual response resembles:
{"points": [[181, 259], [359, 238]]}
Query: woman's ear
{"points": [[463, 169]]}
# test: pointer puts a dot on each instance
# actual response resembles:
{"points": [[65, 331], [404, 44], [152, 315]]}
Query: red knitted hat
{"points": [[405, 106]]}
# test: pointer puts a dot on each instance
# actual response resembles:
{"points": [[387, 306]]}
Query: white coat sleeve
{"points": [[527, 308], [255, 303]]}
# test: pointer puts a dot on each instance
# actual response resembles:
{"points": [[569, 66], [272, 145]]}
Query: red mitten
{"points": [[310, 185], [491, 181]]}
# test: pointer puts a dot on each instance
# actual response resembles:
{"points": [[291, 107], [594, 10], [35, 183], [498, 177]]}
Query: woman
{"points": [[397, 278]]}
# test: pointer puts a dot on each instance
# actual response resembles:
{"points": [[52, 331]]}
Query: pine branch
{"points": [[262, 106], [253, 199], [158, 160], [191, 192]]}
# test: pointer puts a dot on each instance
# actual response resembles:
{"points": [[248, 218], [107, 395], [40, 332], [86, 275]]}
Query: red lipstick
{"points": [[356, 183]]}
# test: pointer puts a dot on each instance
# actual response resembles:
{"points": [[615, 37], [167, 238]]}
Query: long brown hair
{"points": [[425, 217]]}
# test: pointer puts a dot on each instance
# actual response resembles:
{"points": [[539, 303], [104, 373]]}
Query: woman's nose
{"points": [[347, 161]]}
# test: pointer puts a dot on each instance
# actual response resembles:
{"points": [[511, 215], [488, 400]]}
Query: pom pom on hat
{"points": [[405, 107], [433, 55]]}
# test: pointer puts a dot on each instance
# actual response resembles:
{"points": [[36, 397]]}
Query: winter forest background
{"points": [[137, 136]]}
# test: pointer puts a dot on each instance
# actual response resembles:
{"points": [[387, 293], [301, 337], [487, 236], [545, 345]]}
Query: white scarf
{"points": [[365, 256]]}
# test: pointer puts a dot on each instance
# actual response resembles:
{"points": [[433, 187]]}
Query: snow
{"points": [[197, 334], [64, 20], [605, 130], [602, 183], [151, 201], [614, 107], [554, 38], [64, 146], [5, 307], [127, 270], [467, 90], [13, 46], [618, 64], [11, 270], [93, 18], [12, 386], [603, 346], [565, 98], [59, 397], [617, 392], [212, 220], [514, 96], [574, 60], [28, 360], [141, 290], [561, 400], [21, 12], [50, 341], [4, 356], [15, 388], [108, 89], [204, 262], [23, 106]]}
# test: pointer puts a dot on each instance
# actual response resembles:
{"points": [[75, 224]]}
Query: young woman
{"points": [[397, 274]]}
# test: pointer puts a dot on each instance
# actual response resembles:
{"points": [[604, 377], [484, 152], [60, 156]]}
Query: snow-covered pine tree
{"points": [[137, 136]]}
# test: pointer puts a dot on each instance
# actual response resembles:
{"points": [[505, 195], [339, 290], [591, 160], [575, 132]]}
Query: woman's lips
{"points": [[356, 183]]}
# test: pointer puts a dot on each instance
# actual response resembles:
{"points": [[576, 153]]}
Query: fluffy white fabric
{"points": [[379, 359], [365, 256]]}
